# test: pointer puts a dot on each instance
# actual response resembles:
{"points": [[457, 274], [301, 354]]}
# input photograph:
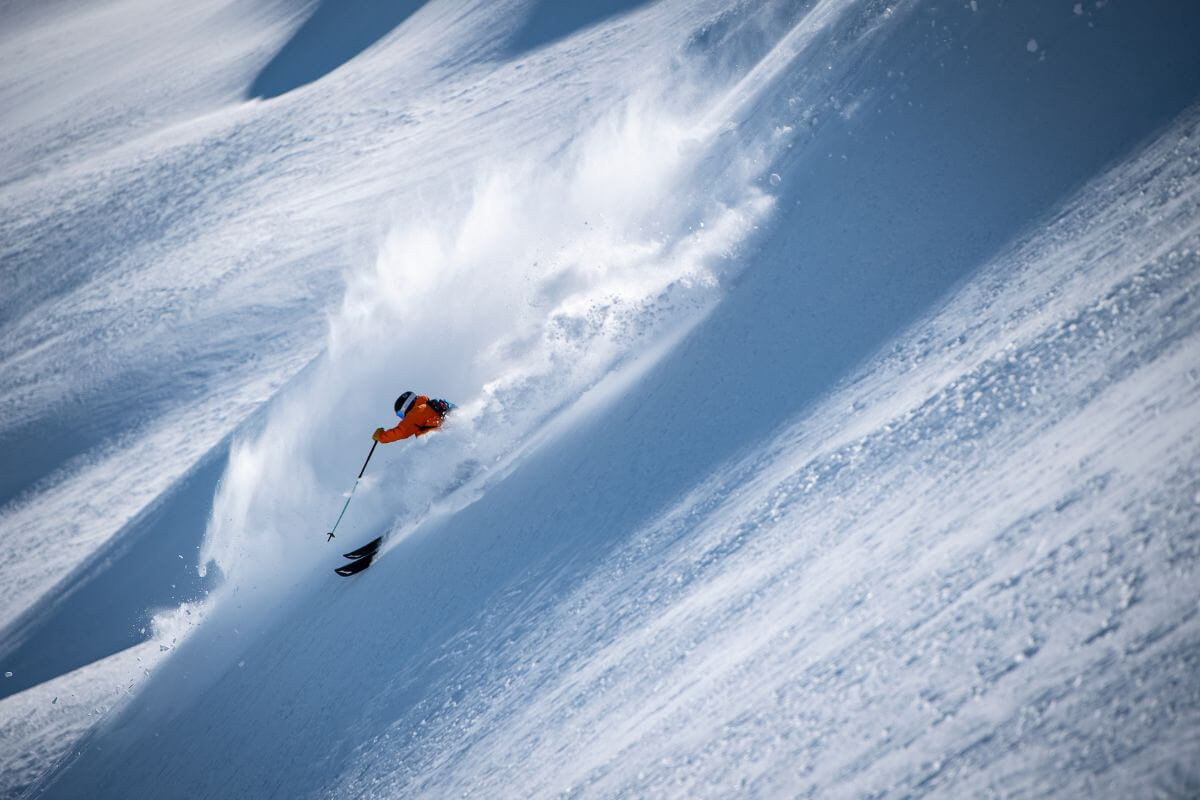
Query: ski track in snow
{"points": [[964, 567]]}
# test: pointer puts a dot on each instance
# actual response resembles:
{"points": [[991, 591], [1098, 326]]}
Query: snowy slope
{"points": [[192, 281], [40, 725], [192, 277], [827, 381]]}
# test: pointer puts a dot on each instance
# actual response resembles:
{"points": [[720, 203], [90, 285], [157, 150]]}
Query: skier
{"points": [[418, 416]]}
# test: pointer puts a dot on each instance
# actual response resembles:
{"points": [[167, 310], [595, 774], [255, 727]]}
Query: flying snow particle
{"points": [[775, 179], [8, 674], [1078, 9], [1031, 45]]}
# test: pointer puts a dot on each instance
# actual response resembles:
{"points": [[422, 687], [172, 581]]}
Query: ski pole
{"points": [[351, 497]]}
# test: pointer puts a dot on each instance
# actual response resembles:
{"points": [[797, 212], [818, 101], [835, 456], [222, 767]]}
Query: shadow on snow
{"points": [[104, 606], [551, 20], [335, 33]]}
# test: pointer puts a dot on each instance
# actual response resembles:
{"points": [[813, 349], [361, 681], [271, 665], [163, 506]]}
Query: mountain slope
{"points": [[827, 421]]}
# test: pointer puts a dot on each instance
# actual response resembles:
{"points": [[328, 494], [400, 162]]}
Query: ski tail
{"points": [[368, 549], [355, 567]]}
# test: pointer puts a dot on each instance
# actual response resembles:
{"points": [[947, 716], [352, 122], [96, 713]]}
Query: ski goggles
{"points": [[406, 405]]}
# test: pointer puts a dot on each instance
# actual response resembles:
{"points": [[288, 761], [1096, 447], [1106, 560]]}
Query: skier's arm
{"points": [[401, 431]]}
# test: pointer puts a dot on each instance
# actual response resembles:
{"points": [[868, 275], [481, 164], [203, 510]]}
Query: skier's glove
{"points": [[378, 432]]}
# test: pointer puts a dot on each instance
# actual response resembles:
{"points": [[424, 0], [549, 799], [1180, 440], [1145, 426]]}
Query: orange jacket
{"points": [[420, 420]]}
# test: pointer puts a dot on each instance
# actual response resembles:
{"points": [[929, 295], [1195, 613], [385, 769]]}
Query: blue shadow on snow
{"points": [[105, 605], [335, 33], [551, 20]]}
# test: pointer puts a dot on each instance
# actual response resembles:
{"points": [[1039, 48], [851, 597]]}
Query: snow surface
{"points": [[828, 377]]}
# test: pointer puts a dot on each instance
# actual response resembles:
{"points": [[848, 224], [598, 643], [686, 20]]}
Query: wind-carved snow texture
{"points": [[827, 427]]}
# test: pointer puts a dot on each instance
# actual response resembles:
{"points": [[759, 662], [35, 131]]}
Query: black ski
{"points": [[367, 549], [356, 566]]}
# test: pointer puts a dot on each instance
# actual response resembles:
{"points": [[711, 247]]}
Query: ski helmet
{"points": [[403, 402]]}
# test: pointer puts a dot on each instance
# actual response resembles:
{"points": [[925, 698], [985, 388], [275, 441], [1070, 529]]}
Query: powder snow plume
{"points": [[511, 297]]}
